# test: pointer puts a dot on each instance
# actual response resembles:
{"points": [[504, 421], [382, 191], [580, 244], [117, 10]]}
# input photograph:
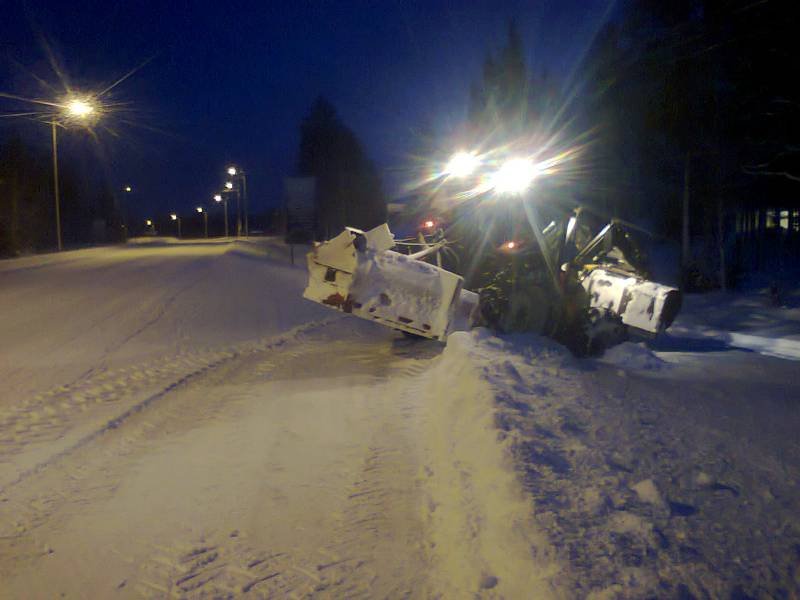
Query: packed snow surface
{"points": [[175, 421]]}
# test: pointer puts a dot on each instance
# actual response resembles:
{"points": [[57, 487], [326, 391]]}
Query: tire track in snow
{"points": [[367, 555], [25, 424]]}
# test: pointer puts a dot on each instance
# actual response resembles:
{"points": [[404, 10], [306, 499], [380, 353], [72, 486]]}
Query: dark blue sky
{"points": [[230, 81]]}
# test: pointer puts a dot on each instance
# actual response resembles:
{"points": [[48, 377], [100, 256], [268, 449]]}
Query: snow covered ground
{"points": [[751, 321], [175, 421], [655, 475]]}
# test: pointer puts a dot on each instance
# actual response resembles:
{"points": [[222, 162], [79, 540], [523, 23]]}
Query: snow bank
{"points": [[656, 485], [483, 538]]}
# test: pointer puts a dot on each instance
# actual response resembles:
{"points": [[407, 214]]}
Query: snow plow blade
{"points": [[641, 304], [357, 273]]}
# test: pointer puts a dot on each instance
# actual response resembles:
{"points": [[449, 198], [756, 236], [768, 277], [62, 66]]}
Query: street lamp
{"points": [[177, 219], [205, 219], [229, 187], [241, 198], [219, 198], [124, 209], [74, 109], [79, 107]]}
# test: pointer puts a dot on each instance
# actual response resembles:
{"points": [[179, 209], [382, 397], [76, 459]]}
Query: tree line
{"points": [[27, 207], [348, 185]]}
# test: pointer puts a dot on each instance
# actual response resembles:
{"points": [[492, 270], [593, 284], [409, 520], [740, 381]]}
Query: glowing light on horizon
{"points": [[174, 217], [199, 209], [231, 171], [217, 197]]}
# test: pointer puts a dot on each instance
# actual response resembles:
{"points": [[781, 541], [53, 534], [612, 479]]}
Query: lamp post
{"points": [[219, 198], [177, 219], [205, 219], [124, 209], [230, 188], [54, 125], [74, 109], [239, 173]]}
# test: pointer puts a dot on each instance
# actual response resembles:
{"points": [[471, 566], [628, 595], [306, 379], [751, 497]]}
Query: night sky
{"points": [[230, 81]]}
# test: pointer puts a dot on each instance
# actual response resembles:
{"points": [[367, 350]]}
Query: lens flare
{"points": [[515, 176], [462, 164], [79, 108]]}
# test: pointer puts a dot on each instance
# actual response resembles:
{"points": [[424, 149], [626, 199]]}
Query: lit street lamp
{"points": [[205, 219], [229, 187], [219, 198], [74, 110], [241, 198], [124, 210], [177, 219]]}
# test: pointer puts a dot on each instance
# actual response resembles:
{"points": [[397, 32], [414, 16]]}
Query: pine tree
{"points": [[348, 186]]}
